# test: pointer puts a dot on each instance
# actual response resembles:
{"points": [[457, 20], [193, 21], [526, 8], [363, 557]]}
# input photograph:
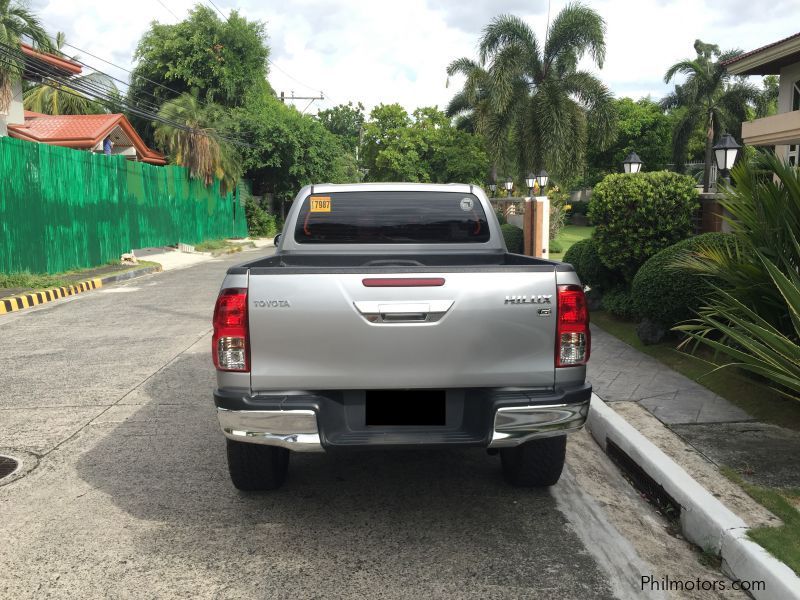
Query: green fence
{"points": [[64, 209]]}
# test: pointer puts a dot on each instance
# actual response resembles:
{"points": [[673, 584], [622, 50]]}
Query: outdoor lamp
{"points": [[509, 185], [632, 164], [493, 188], [725, 152], [529, 181], [541, 179]]}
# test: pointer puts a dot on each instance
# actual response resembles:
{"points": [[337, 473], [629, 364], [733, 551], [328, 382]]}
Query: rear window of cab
{"points": [[396, 217]]}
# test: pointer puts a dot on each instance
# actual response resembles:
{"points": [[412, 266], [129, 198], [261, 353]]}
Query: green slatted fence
{"points": [[63, 209]]}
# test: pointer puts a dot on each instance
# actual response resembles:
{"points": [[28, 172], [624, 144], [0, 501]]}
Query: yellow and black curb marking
{"points": [[14, 303]]}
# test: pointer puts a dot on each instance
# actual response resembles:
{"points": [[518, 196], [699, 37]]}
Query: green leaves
{"points": [[638, 215], [753, 313]]}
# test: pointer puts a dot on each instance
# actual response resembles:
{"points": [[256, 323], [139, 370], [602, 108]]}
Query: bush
{"points": [[515, 240], [666, 295], [584, 257], [556, 247], [636, 215], [259, 222], [619, 303], [501, 217]]}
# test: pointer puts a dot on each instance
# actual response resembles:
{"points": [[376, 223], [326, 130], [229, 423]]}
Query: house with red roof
{"points": [[81, 132]]}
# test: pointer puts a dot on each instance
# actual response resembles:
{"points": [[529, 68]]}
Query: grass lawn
{"points": [[782, 542], [40, 281], [568, 236], [758, 400], [221, 246]]}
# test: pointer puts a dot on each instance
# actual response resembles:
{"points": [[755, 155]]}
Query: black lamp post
{"points": [[529, 181], [632, 164], [725, 152], [509, 185], [542, 178], [493, 188]]}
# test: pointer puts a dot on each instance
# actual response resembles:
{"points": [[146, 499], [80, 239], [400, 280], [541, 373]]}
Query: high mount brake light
{"points": [[229, 346], [573, 338], [404, 282]]}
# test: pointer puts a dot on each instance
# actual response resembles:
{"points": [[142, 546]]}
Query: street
{"points": [[107, 396]]}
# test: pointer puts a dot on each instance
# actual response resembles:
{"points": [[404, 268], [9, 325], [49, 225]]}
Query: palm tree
{"points": [[534, 96], [710, 98], [16, 22], [53, 98], [197, 148]]}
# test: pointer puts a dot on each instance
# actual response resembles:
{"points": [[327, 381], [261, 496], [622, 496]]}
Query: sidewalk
{"points": [[723, 433]]}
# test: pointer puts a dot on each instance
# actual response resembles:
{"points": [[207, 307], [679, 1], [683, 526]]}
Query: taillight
{"points": [[229, 346], [573, 339]]}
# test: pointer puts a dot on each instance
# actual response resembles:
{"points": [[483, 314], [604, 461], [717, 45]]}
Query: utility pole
{"points": [[309, 98]]}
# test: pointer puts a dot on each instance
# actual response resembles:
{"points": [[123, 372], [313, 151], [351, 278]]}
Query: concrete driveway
{"points": [[107, 397]]}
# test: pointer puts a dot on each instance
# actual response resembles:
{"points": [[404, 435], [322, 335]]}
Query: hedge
{"points": [[666, 295], [515, 240], [636, 215], [584, 257]]}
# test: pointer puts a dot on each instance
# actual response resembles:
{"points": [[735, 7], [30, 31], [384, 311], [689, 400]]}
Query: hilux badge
{"points": [[539, 299]]}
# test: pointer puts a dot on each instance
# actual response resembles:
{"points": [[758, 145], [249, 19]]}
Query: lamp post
{"points": [[632, 164], [529, 181], [509, 185], [493, 188], [725, 152], [542, 178]]}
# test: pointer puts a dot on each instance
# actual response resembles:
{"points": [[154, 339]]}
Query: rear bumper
{"points": [[312, 423]]}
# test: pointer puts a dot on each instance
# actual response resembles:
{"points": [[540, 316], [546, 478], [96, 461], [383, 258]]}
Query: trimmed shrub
{"points": [[501, 217], [556, 247], [259, 222], [619, 303], [665, 295], [636, 215], [515, 240], [584, 257]]}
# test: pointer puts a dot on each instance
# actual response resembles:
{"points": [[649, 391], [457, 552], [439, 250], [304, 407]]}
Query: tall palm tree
{"points": [[710, 98], [197, 148], [16, 23], [535, 95], [53, 98]]}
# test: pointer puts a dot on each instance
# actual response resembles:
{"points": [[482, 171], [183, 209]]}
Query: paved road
{"points": [[107, 396]]}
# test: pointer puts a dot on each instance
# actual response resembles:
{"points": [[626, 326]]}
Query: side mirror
{"points": [[277, 239]]}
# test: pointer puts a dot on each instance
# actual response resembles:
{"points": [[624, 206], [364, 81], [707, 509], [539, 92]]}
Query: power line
{"points": [[168, 9], [218, 10]]}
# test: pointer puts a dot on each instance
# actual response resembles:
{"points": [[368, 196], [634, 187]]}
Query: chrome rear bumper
{"points": [[293, 429], [297, 429]]}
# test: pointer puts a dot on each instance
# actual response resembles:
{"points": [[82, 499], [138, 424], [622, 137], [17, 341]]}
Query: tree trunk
{"points": [[493, 173], [709, 152]]}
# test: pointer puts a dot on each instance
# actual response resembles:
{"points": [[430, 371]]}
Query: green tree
{"points": [[53, 98], [537, 93], [767, 101], [222, 59], [642, 127], [16, 21], [345, 121], [197, 148], [286, 149], [712, 99], [423, 147]]}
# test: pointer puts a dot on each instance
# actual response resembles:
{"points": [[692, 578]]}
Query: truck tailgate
{"points": [[333, 331]]}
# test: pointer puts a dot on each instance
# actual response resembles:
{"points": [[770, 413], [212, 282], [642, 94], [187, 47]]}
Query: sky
{"points": [[382, 51]]}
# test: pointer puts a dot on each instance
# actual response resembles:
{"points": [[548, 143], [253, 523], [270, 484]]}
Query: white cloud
{"points": [[380, 51]]}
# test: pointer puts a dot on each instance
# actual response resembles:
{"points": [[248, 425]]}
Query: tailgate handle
{"points": [[404, 312]]}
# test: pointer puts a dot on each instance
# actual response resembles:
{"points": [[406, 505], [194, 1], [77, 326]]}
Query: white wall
{"points": [[788, 76]]}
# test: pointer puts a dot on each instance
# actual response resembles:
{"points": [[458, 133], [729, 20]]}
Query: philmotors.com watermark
{"points": [[668, 584]]}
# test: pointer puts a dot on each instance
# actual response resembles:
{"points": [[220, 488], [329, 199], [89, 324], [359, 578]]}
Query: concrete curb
{"points": [[31, 299], [705, 521]]}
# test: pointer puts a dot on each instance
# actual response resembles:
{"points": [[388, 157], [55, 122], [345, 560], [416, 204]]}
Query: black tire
{"points": [[255, 467], [537, 463]]}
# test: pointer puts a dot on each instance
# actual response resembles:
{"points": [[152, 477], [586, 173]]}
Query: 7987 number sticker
{"points": [[320, 204]]}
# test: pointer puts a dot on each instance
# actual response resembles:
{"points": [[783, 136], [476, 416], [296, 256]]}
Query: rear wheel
{"points": [[255, 467], [537, 463]]}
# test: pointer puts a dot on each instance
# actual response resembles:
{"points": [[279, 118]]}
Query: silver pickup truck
{"points": [[392, 316]]}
